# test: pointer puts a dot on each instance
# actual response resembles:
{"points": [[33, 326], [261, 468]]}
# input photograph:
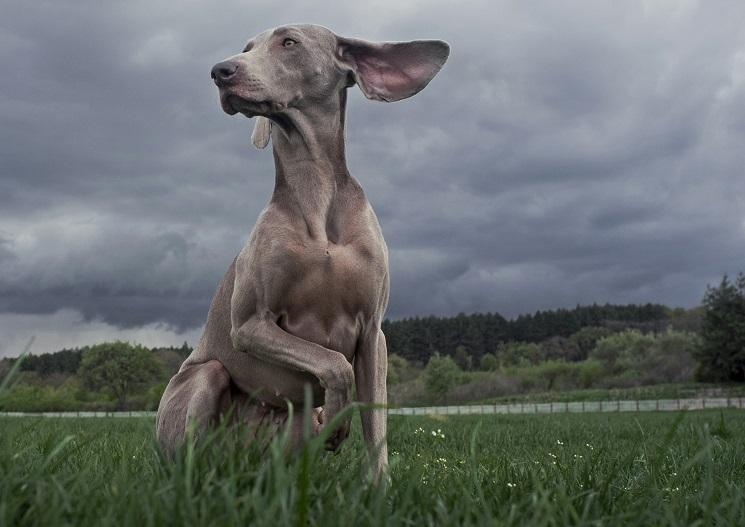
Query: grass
{"points": [[588, 469]]}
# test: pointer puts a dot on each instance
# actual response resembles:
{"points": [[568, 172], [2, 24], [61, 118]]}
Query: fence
{"points": [[653, 405]]}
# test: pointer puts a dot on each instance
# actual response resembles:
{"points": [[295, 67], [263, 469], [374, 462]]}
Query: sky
{"points": [[567, 153]]}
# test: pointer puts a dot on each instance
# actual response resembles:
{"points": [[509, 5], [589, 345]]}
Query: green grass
{"points": [[588, 469]]}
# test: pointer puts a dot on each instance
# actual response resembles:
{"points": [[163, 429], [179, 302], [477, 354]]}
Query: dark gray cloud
{"points": [[567, 153]]}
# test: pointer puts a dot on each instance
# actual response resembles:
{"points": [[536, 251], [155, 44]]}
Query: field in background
{"points": [[634, 469]]}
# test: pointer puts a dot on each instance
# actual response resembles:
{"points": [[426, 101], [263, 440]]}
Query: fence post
{"points": [[657, 405], [601, 405], [637, 405], [535, 408], [703, 403], [583, 407], [618, 405]]}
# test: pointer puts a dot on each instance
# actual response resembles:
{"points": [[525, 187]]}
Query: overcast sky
{"points": [[568, 152]]}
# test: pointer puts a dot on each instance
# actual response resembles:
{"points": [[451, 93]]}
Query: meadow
{"points": [[684, 468]]}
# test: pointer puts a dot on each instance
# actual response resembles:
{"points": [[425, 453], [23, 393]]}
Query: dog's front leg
{"points": [[264, 339], [370, 369]]}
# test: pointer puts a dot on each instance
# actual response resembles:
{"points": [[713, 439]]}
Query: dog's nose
{"points": [[222, 72]]}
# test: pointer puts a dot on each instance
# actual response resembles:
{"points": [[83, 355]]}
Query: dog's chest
{"points": [[326, 291], [346, 277]]}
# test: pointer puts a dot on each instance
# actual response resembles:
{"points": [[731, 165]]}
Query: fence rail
{"points": [[646, 405], [649, 405]]}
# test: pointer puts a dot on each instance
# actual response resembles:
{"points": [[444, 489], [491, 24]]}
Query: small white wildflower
{"points": [[511, 485], [559, 443], [434, 433], [552, 455]]}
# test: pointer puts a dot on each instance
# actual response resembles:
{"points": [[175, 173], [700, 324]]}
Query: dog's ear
{"points": [[391, 71], [262, 132]]}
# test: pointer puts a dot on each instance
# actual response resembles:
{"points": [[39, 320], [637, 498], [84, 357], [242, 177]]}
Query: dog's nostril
{"points": [[222, 71]]}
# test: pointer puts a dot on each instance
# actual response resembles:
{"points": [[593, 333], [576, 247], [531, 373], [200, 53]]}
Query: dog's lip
{"points": [[226, 105], [233, 103]]}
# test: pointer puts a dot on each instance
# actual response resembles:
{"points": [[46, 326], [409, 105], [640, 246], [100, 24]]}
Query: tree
{"points": [[560, 348], [119, 367], [586, 338], [440, 375], [397, 369], [489, 362], [463, 358], [623, 351], [722, 352]]}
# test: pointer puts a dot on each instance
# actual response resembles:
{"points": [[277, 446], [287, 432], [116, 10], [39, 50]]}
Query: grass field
{"points": [[589, 469]]}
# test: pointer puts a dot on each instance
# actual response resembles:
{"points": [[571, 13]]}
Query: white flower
{"points": [[559, 443], [511, 485]]}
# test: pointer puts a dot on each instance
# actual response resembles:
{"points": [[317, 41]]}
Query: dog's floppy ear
{"points": [[391, 71], [262, 132]]}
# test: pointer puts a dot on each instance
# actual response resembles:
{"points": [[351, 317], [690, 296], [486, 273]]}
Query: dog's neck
{"points": [[310, 162]]}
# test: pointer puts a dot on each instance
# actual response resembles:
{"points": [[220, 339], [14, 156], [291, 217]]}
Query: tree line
{"points": [[417, 339]]}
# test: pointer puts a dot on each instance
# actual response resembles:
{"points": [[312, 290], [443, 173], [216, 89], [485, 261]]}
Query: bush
{"points": [[548, 375], [622, 351], [440, 375], [511, 354], [590, 372], [484, 386], [489, 362], [587, 338], [560, 348], [672, 359]]}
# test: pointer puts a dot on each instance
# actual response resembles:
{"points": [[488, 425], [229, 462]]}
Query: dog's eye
{"points": [[288, 42]]}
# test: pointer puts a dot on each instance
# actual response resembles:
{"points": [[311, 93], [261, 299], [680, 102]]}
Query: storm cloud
{"points": [[567, 153]]}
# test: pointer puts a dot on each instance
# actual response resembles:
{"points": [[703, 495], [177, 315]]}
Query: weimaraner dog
{"points": [[302, 304]]}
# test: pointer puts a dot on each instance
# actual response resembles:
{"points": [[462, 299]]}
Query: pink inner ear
{"points": [[388, 79], [394, 71]]}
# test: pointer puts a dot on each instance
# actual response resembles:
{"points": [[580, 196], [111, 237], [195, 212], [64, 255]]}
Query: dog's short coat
{"points": [[303, 302]]}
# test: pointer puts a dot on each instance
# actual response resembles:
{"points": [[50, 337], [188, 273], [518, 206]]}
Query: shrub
{"points": [[440, 375], [489, 362]]}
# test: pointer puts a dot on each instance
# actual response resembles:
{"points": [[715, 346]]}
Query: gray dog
{"points": [[303, 302]]}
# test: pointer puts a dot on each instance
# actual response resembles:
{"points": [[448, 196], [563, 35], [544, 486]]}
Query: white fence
{"points": [[653, 405]]}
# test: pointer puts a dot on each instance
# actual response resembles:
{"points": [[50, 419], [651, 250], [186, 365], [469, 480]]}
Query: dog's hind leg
{"points": [[198, 394]]}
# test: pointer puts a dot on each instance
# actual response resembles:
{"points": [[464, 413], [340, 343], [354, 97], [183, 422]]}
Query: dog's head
{"points": [[303, 65]]}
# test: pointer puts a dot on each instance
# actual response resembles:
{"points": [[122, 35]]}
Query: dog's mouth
{"points": [[233, 104]]}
